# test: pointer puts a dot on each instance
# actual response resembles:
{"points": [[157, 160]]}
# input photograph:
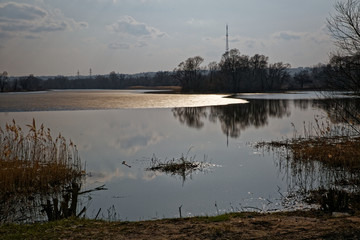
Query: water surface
{"points": [[110, 127]]}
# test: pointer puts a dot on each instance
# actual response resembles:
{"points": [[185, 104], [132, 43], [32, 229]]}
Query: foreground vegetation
{"points": [[322, 164], [288, 225], [39, 175]]}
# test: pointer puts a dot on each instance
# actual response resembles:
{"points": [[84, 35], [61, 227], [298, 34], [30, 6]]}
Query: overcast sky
{"points": [[60, 37]]}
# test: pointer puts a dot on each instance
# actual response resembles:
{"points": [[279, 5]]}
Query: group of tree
{"points": [[240, 73]]}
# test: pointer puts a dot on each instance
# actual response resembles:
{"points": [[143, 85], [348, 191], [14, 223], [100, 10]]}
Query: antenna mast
{"points": [[227, 38]]}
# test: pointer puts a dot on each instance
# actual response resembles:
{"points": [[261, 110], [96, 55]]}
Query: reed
{"points": [[334, 145], [325, 159], [34, 165], [35, 162], [184, 166]]}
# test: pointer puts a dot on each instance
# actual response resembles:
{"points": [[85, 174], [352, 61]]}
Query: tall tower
{"points": [[227, 39]]}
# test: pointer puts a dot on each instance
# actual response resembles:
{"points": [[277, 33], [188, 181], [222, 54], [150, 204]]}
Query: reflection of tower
{"points": [[227, 39]]}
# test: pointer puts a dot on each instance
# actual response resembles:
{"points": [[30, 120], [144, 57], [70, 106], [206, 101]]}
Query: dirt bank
{"points": [[297, 225]]}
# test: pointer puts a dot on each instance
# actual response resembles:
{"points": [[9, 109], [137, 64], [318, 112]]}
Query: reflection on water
{"points": [[322, 166], [235, 118], [98, 99], [107, 138]]}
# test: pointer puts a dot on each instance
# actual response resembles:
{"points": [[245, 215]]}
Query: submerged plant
{"points": [[37, 171], [183, 166]]}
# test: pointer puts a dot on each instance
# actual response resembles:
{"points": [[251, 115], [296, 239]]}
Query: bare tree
{"points": [[277, 75], [234, 66], [344, 27], [3, 80], [259, 64], [188, 73]]}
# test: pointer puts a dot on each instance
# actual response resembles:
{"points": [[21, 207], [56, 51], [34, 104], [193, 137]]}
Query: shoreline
{"points": [[247, 225]]}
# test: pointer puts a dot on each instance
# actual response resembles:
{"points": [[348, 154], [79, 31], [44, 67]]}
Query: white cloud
{"points": [[133, 34], [25, 20], [119, 45], [297, 48], [134, 138], [16, 11], [197, 22], [129, 26], [131, 144], [288, 35], [317, 37]]}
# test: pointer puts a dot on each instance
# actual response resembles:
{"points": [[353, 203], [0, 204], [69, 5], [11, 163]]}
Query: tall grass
{"points": [[324, 158], [35, 168], [335, 145]]}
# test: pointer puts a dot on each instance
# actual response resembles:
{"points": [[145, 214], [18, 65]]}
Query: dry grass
{"points": [[336, 152], [183, 166], [330, 144], [284, 225], [174, 166], [323, 163], [35, 162], [34, 166]]}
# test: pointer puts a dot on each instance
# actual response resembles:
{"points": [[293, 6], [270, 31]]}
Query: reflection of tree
{"points": [[302, 104], [191, 116], [234, 118], [342, 110]]}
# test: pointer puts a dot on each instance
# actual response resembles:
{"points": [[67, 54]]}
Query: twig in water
{"points": [[217, 210], [81, 212], [180, 211], [124, 163], [98, 213], [102, 187]]}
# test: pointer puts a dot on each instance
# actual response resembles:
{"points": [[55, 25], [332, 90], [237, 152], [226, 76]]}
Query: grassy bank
{"points": [[286, 225]]}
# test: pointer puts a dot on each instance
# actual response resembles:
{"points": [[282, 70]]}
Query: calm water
{"points": [[110, 127]]}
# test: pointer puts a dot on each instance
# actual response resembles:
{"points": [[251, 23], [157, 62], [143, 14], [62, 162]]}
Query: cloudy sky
{"points": [[60, 37]]}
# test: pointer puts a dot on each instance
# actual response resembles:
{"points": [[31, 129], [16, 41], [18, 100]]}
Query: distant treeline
{"points": [[234, 73], [241, 73], [110, 81]]}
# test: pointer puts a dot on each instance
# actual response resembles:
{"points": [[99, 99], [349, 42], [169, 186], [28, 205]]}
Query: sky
{"points": [[62, 37]]}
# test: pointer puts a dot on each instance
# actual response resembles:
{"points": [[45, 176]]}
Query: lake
{"points": [[110, 127]]}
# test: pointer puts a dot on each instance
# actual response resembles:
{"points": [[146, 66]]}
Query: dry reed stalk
{"points": [[35, 161]]}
